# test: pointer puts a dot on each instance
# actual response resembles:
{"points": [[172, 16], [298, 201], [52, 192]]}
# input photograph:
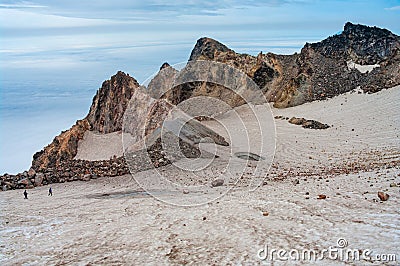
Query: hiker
{"points": [[50, 192], [26, 194]]}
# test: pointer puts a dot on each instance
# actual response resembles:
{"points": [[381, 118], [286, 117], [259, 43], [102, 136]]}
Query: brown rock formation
{"points": [[64, 147], [320, 70], [105, 116], [109, 104], [207, 49], [308, 123]]}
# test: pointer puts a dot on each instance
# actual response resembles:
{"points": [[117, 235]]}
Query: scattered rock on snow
{"points": [[383, 196], [217, 183]]}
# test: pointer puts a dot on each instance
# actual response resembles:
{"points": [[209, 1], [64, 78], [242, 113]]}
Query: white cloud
{"points": [[27, 20], [18, 6], [393, 8], [21, 5]]}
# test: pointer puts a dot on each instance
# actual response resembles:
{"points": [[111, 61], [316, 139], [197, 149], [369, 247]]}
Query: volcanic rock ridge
{"points": [[321, 70]]}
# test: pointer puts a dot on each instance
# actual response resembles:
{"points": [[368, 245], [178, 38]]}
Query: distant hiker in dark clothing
{"points": [[50, 192], [26, 194]]}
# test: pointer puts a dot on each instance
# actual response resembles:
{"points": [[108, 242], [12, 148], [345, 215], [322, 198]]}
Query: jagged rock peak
{"points": [[206, 48], [109, 103], [164, 65], [360, 43]]}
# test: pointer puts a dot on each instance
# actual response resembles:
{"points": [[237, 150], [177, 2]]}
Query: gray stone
{"points": [[25, 182], [31, 172], [39, 179], [86, 177], [217, 183], [249, 156]]}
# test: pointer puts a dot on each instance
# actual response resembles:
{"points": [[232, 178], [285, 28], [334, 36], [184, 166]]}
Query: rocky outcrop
{"points": [[210, 79], [144, 115], [159, 152], [207, 49], [359, 44], [55, 161], [108, 106], [307, 123], [159, 136], [105, 116], [362, 44], [63, 148], [320, 70]]}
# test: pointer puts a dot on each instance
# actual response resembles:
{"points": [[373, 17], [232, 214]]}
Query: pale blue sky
{"points": [[55, 54], [61, 34]]}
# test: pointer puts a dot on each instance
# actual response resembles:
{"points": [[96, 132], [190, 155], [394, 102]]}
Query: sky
{"points": [[55, 54]]}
